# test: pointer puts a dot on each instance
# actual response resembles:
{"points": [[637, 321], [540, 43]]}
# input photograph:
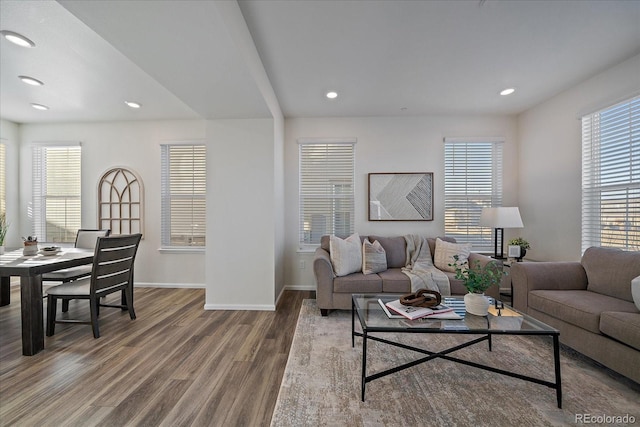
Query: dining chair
{"points": [[85, 239], [112, 271]]}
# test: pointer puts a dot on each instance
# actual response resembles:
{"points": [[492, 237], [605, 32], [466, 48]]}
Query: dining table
{"points": [[30, 269]]}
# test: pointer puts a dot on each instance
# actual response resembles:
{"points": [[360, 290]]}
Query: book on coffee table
{"points": [[412, 313], [390, 315]]}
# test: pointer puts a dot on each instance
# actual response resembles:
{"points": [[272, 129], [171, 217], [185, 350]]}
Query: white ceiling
{"points": [[189, 59]]}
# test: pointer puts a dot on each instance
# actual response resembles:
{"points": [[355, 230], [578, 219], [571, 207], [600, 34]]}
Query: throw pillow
{"points": [[635, 291], [346, 254], [374, 257], [445, 252]]}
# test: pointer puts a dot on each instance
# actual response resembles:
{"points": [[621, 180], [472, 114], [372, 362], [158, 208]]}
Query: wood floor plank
{"points": [[175, 365]]}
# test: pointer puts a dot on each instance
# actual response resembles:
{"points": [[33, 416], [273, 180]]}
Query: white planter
{"points": [[476, 304], [30, 249]]}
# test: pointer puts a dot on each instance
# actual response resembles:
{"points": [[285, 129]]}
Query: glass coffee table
{"points": [[506, 321]]}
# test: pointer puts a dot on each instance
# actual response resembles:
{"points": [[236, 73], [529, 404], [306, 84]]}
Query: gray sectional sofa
{"points": [[335, 292], [590, 302]]}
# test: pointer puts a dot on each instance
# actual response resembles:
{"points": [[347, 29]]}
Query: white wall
{"points": [[388, 144], [550, 160], [135, 145], [241, 224], [10, 135]]}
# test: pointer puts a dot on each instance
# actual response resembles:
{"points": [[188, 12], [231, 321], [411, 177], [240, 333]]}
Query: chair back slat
{"points": [[113, 261], [87, 239]]}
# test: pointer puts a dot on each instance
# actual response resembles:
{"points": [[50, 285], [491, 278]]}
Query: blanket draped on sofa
{"points": [[420, 268]]}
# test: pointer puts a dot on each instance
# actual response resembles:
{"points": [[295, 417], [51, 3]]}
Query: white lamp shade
{"points": [[502, 217]]}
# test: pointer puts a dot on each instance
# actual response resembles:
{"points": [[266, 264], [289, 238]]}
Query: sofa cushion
{"points": [[610, 271], [346, 254], [374, 257], [446, 251], [358, 283], [395, 281], [456, 285], [622, 326], [396, 249], [577, 307], [432, 242]]}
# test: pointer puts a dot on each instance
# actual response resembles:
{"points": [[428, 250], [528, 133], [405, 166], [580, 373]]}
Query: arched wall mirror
{"points": [[121, 201]]}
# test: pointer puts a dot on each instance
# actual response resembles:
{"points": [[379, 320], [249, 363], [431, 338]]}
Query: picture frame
{"points": [[400, 196]]}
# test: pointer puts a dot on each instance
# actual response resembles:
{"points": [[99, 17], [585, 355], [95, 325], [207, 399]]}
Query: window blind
{"points": [[326, 193], [3, 180], [611, 177], [473, 180], [56, 191], [183, 188]]}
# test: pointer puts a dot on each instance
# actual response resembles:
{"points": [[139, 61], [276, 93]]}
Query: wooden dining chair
{"points": [[112, 271], [85, 239]]}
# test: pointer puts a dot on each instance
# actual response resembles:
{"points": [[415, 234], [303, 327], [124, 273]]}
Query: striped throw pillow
{"points": [[374, 257]]}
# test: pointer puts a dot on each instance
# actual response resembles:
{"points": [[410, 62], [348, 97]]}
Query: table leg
{"points": [[353, 324], [556, 361], [32, 319], [364, 361], [5, 291]]}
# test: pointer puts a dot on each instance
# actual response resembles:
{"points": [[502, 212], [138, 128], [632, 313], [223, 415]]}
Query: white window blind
{"points": [[473, 180], [56, 191], [184, 188], [3, 180], [611, 177], [326, 189]]}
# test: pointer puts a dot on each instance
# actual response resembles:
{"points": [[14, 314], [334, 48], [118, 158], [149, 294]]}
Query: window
{"points": [[56, 191], [3, 179], [611, 177], [184, 188], [472, 181], [326, 189]]}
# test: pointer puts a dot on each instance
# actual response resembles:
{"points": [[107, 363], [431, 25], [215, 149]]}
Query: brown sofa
{"points": [[335, 292], [589, 302]]}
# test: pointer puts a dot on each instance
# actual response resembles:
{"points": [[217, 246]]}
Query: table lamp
{"points": [[499, 219]]}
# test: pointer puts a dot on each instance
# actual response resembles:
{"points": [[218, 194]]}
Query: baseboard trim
{"points": [[299, 288], [257, 307], [169, 285]]}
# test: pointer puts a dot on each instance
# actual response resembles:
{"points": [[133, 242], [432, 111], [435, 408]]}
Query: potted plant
{"points": [[4, 227], [477, 279], [524, 245]]}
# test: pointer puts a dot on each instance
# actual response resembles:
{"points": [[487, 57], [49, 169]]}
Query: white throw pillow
{"points": [[635, 291], [346, 254], [374, 257], [445, 252]]}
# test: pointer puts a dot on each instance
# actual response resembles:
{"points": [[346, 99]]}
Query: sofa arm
{"points": [[482, 261], [529, 276], [323, 272]]}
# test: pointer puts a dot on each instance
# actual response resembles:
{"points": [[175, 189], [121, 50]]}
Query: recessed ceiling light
{"points": [[508, 91], [16, 38], [39, 107], [133, 104], [332, 95], [31, 81]]}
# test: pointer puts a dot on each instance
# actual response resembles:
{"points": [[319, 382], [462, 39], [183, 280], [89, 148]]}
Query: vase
{"points": [[30, 248], [1, 249], [523, 252], [476, 304]]}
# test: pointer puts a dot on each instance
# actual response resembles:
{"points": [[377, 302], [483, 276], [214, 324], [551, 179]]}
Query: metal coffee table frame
{"points": [[468, 326]]}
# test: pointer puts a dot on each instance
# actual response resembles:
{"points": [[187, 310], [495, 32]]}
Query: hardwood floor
{"points": [[175, 365]]}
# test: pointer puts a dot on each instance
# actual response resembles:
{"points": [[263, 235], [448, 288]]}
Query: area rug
{"points": [[321, 384]]}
